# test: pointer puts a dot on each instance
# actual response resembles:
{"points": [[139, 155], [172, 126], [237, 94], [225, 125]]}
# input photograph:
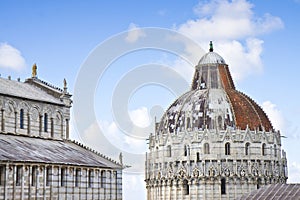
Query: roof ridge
{"points": [[30, 136], [94, 151], [49, 84]]}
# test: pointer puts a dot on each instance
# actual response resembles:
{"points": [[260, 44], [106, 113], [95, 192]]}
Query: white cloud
{"points": [[187, 58], [268, 23], [106, 137], [243, 60], [95, 138], [134, 33], [134, 186], [230, 20], [274, 115], [140, 117], [294, 172], [184, 69], [234, 28], [110, 141], [11, 57]]}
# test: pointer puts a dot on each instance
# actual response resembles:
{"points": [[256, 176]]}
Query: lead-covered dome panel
{"points": [[211, 58], [197, 110]]}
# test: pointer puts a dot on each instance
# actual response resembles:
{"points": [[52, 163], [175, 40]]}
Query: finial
{"points": [[65, 85], [34, 69], [121, 158], [211, 48]]}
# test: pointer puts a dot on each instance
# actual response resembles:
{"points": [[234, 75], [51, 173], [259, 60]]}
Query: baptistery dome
{"points": [[213, 142], [213, 102]]}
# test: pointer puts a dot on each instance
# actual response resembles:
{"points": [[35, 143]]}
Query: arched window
{"points": [[169, 151], [45, 122], [188, 123], [108, 178], [271, 150], [21, 119], [103, 178], [67, 128], [52, 127], [48, 175], [90, 178], [77, 177], [206, 148], [247, 148], [223, 186], [186, 188], [203, 80], [213, 78], [2, 175], [2, 120], [16, 121], [28, 123], [19, 175], [258, 183], [62, 176], [186, 150], [33, 175], [40, 123], [220, 123], [263, 149], [275, 150], [227, 148], [198, 157]]}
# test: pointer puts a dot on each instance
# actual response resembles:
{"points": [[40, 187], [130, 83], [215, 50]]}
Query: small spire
{"points": [[121, 158], [211, 48], [65, 85], [34, 69]]}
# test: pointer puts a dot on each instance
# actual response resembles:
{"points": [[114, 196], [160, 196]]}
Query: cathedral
{"points": [[213, 142], [37, 158]]}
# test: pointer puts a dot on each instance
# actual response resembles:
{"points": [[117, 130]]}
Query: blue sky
{"points": [[258, 39]]}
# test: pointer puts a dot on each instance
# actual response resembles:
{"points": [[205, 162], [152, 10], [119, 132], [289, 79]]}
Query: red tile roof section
{"points": [[247, 112]]}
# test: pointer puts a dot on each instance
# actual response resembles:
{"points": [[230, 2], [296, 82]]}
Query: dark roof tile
{"points": [[26, 90], [18, 148], [272, 192]]}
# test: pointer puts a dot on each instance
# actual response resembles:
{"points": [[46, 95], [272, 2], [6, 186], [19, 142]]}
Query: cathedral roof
{"points": [[28, 91], [213, 102], [277, 191], [19, 148]]}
